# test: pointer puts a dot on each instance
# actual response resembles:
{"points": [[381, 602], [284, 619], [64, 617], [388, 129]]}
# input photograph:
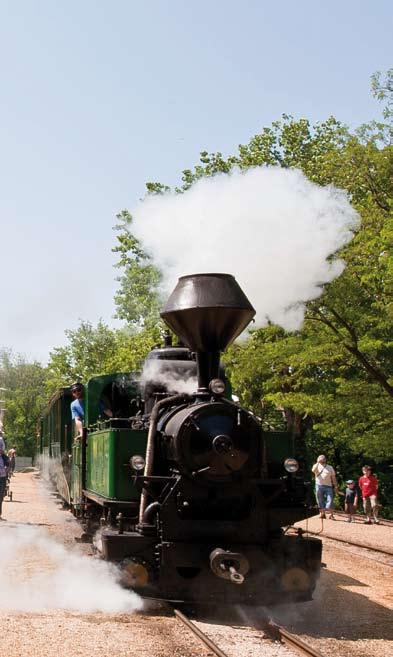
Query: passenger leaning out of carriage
{"points": [[4, 463], [325, 485], [78, 408]]}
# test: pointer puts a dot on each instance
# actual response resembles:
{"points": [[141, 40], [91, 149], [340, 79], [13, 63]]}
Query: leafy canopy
{"points": [[332, 381], [24, 398]]}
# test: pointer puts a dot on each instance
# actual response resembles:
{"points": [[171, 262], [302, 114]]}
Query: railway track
{"points": [[363, 546], [198, 633], [271, 629], [289, 640]]}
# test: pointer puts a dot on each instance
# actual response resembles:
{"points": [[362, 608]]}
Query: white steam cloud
{"points": [[270, 227], [181, 381], [39, 574]]}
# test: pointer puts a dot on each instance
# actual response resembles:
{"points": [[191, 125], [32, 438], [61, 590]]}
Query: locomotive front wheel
{"points": [[134, 573]]}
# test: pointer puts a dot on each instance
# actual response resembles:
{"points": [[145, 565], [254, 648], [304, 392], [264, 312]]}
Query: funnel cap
{"points": [[207, 311]]}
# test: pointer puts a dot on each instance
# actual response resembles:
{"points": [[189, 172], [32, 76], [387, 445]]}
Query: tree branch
{"points": [[371, 369], [374, 371], [376, 193], [345, 324]]}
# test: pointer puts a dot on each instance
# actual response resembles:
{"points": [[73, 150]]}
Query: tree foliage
{"points": [[331, 382], [137, 300], [24, 400], [91, 351]]}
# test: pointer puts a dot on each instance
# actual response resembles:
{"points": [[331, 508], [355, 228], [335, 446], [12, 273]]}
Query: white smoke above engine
{"points": [[271, 228], [161, 374]]}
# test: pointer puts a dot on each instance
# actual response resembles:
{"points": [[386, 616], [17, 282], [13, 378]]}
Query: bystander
{"points": [[351, 499], [368, 485], [4, 462], [325, 485]]}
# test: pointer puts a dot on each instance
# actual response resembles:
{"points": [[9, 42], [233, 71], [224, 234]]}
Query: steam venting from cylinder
{"points": [[207, 312]]}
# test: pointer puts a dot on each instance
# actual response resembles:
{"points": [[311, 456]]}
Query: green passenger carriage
{"points": [[94, 475]]}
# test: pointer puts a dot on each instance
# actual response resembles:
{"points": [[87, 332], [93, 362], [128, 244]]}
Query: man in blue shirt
{"points": [[78, 408]]}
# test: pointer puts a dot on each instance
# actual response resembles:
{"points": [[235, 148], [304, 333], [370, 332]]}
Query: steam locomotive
{"points": [[192, 496]]}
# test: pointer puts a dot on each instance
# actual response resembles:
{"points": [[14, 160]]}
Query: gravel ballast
{"points": [[58, 600]]}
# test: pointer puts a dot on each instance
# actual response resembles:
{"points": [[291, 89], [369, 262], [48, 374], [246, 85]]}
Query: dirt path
{"points": [[352, 613], [57, 600], [35, 544]]}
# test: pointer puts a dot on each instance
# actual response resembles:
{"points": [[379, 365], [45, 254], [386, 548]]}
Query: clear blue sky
{"points": [[98, 97]]}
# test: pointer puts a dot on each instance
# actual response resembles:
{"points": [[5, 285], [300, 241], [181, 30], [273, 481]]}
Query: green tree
{"points": [[335, 376], [88, 352], [317, 381], [91, 351], [25, 397], [137, 300], [382, 90]]}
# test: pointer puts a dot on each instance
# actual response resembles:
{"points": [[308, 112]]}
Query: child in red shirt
{"points": [[368, 485]]}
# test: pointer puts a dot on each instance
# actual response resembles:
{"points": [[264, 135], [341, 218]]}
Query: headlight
{"points": [[291, 465], [137, 462], [217, 387]]}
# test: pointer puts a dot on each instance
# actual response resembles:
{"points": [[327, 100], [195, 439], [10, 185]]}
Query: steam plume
{"points": [[39, 574], [182, 381], [270, 227]]}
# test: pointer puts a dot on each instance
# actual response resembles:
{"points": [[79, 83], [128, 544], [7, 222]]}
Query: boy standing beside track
{"points": [[351, 499], [368, 484]]}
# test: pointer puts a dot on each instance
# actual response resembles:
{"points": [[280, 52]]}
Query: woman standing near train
{"points": [[12, 461], [325, 485]]}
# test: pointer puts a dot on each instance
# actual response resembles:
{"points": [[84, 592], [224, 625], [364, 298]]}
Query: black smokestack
{"points": [[207, 312]]}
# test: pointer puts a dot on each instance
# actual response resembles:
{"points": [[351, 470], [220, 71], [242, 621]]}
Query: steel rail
{"points": [[201, 635], [345, 540], [272, 629], [290, 640]]}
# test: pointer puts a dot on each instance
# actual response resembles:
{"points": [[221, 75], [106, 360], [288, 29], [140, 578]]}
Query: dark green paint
{"points": [[279, 446], [108, 455], [76, 474], [56, 425], [99, 390]]}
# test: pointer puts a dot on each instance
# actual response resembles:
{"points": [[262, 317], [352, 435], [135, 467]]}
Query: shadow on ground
{"points": [[335, 612]]}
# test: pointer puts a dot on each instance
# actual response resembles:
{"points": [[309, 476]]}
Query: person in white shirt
{"points": [[325, 485]]}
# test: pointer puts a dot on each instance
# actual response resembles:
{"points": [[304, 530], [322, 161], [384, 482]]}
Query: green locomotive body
{"points": [[108, 455], [191, 495]]}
